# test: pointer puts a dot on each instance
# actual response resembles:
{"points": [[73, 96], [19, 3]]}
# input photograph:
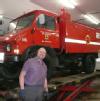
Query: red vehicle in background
{"points": [[69, 45]]}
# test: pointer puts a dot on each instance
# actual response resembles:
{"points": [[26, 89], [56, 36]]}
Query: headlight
{"points": [[8, 47], [16, 51]]}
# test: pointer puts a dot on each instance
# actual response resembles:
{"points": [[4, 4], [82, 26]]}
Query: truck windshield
{"points": [[21, 22]]}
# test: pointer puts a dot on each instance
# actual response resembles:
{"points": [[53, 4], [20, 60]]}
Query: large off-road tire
{"points": [[30, 53], [10, 70], [52, 62], [89, 63]]}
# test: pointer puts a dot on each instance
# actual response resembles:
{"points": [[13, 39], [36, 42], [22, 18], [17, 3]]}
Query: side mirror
{"points": [[58, 19], [41, 19]]}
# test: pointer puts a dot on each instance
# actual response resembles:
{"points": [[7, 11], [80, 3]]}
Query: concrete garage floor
{"points": [[95, 96], [96, 85]]}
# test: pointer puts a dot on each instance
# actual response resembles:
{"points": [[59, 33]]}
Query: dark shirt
{"points": [[36, 71]]}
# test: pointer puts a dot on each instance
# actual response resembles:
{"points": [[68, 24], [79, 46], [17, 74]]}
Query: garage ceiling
{"points": [[84, 6], [14, 8]]}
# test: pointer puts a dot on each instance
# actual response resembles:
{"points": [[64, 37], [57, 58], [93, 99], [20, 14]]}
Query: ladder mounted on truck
{"points": [[68, 88]]}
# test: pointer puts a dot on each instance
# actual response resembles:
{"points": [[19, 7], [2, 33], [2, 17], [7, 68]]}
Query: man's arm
{"points": [[21, 79], [23, 73]]}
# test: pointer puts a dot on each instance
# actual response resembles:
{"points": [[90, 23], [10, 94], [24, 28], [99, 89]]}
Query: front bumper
{"points": [[9, 58], [12, 58]]}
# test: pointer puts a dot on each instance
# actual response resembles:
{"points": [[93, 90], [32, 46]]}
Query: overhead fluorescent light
{"points": [[68, 3], [92, 19]]}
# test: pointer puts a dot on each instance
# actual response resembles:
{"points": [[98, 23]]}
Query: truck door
{"points": [[47, 30]]}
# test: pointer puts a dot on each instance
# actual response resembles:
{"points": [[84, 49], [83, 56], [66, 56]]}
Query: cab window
{"points": [[21, 22], [48, 22]]}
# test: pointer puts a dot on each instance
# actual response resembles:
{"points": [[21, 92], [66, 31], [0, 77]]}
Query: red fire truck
{"points": [[69, 45]]}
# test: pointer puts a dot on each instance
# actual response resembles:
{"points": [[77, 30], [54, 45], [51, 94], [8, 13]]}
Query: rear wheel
{"points": [[89, 63]]}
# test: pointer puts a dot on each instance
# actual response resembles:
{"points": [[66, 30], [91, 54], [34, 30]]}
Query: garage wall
{"points": [[98, 63], [4, 26]]}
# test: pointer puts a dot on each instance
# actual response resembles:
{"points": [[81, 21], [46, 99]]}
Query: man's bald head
{"points": [[41, 53]]}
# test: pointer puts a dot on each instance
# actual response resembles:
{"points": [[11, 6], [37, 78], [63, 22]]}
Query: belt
{"points": [[33, 85]]}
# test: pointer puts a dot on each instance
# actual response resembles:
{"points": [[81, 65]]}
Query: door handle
{"points": [[32, 30], [42, 32]]}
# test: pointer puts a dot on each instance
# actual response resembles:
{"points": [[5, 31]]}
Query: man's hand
{"points": [[22, 93], [46, 95]]}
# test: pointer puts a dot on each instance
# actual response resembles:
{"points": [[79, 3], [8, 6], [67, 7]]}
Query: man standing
{"points": [[33, 77]]}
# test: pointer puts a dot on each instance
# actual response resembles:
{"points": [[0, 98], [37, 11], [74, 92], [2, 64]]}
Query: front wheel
{"points": [[52, 62], [10, 70], [89, 63]]}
